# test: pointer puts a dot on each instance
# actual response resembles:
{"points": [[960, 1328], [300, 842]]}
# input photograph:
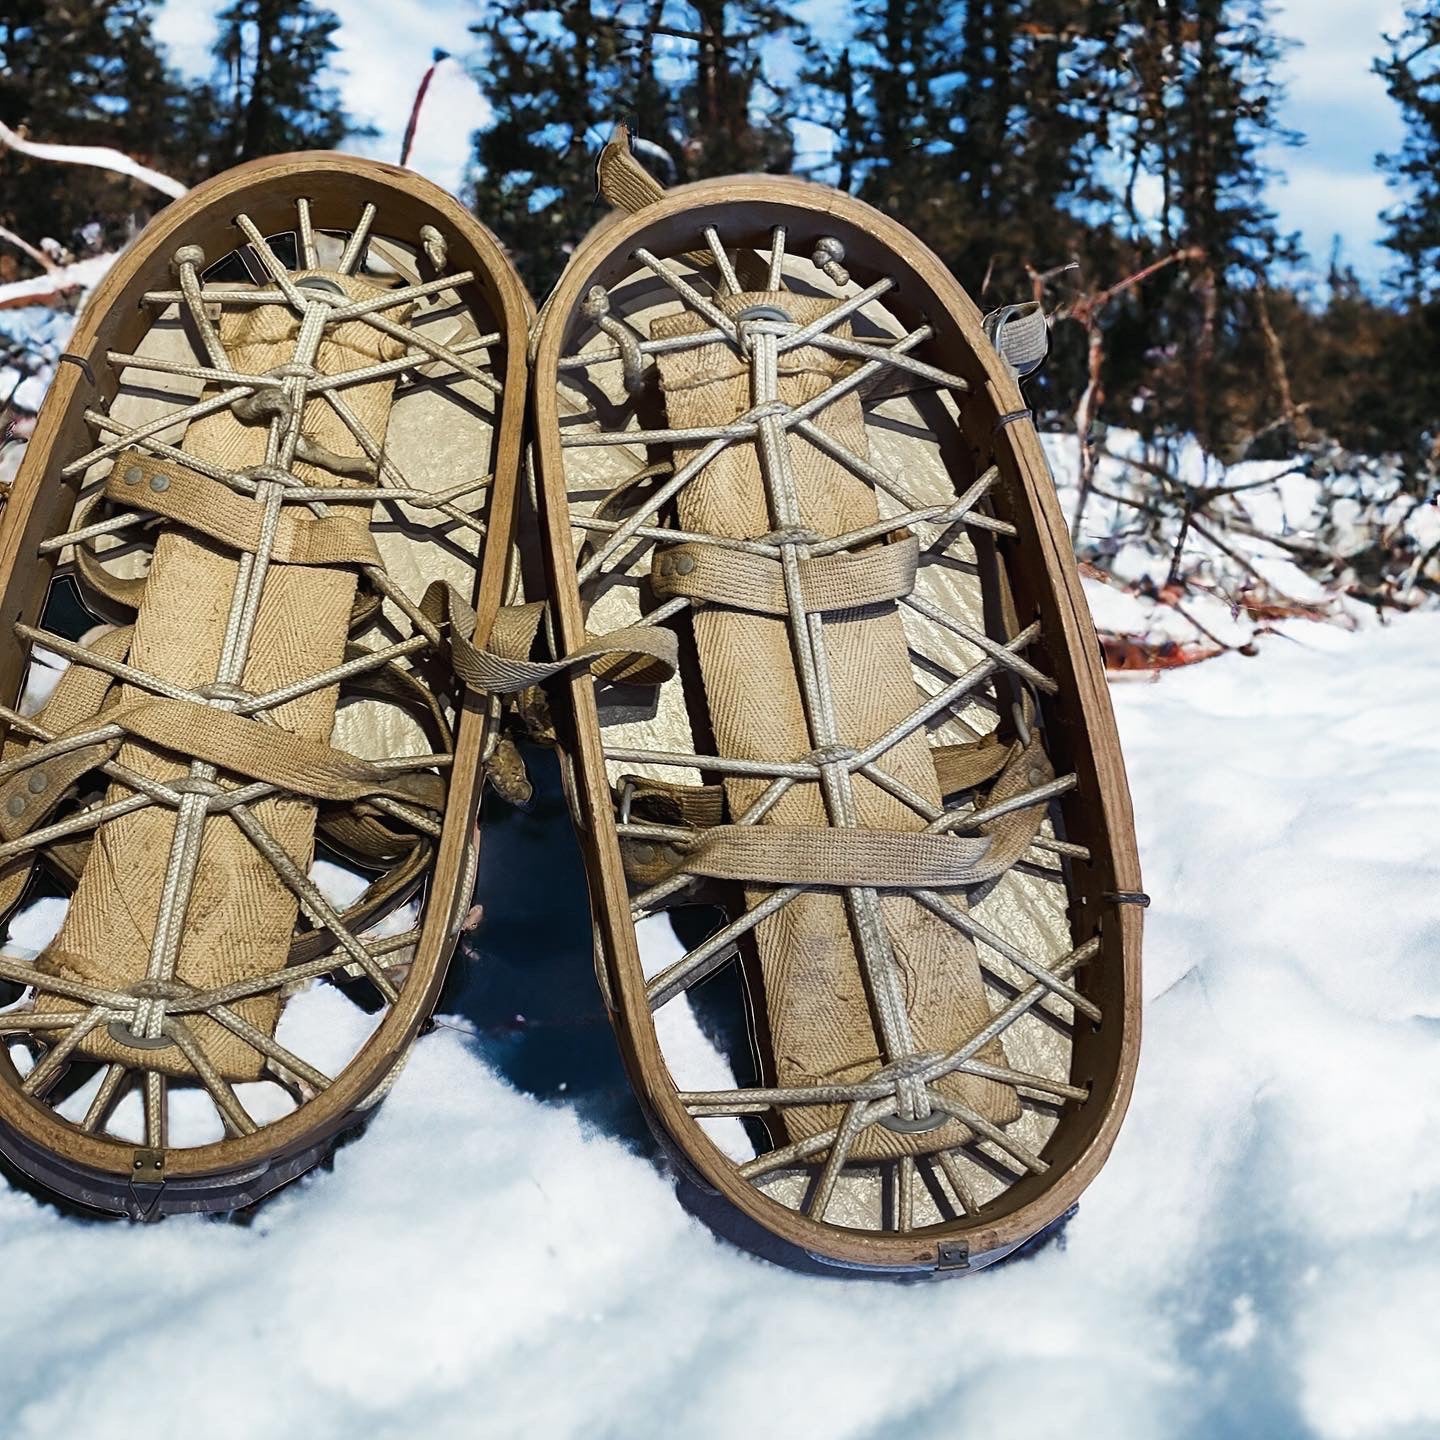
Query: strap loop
{"points": [[635, 655], [849, 580]]}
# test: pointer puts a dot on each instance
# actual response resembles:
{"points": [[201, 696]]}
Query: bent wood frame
{"points": [[97, 1170], [1080, 721]]}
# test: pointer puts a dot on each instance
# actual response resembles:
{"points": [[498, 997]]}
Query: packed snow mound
{"points": [[1258, 1258], [1183, 560]]}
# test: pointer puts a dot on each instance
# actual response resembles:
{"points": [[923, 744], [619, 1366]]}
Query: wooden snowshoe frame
{"points": [[446, 331], [706, 270]]}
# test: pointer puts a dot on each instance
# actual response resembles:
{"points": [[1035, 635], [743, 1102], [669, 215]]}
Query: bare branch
{"points": [[99, 157], [26, 248]]}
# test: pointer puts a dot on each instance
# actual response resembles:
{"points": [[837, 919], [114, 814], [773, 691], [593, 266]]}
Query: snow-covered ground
{"points": [[1258, 1259]]}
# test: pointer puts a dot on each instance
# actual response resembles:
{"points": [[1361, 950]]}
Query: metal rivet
{"points": [[38, 781], [667, 566], [643, 854], [133, 475], [684, 564], [159, 482], [16, 806]]}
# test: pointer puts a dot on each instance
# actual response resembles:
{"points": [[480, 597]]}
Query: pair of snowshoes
{"points": [[822, 672]]}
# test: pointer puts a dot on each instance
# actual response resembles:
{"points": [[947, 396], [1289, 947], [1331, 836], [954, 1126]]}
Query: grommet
{"points": [[321, 283], [643, 854], [667, 565], [159, 482], [37, 782], [133, 475], [684, 564], [122, 1034], [15, 806], [920, 1126]]}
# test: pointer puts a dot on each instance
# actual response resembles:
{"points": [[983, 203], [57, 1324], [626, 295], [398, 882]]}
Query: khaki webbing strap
{"points": [[884, 859], [901, 860], [1011, 835], [957, 768], [962, 767], [399, 686], [29, 795], [701, 807], [363, 836], [125, 592], [625, 184], [258, 751], [621, 179], [635, 655], [745, 581], [661, 802], [214, 509]]}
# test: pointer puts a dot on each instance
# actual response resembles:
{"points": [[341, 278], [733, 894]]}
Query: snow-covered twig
{"points": [[26, 248], [60, 283], [100, 157]]}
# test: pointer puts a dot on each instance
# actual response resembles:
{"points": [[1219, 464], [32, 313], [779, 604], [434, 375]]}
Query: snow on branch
{"points": [[100, 157], [57, 285], [9, 237]]}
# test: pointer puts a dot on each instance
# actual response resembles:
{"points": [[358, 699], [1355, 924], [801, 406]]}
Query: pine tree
{"points": [[689, 77], [1199, 111], [970, 124], [1411, 71], [90, 72], [272, 55], [546, 74], [876, 98], [733, 119]]}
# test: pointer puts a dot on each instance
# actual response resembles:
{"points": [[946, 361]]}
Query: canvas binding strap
{"points": [[636, 655], [746, 581], [777, 855], [31, 789], [178, 493]]}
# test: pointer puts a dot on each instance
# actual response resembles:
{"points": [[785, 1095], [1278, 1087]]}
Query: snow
{"points": [[1257, 1258], [81, 277]]}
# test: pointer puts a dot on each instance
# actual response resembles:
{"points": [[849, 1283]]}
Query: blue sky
{"points": [[1329, 187]]}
